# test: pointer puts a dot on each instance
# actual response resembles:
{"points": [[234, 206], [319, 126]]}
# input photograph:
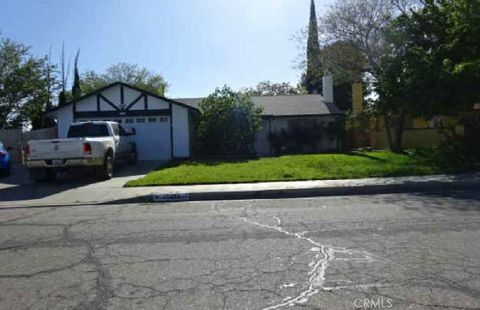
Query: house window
{"points": [[129, 121], [163, 119], [152, 119], [140, 120], [301, 124], [118, 121]]}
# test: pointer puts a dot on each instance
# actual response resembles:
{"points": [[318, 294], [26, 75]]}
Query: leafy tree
{"points": [[342, 58], [267, 88], [128, 73], [46, 84], [362, 24], [76, 90], [355, 31], [26, 84], [228, 123], [346, 65], [312, 78], [444, 36], [91, 81], [396, 86], [431, 66]]}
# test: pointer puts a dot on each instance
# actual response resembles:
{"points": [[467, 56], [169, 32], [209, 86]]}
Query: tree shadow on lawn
{"points": [[204, 162], [427, 157], [364, 155]]}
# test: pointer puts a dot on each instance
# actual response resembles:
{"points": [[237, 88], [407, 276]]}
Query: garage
{"points": [[152, 136], [162, 125]]}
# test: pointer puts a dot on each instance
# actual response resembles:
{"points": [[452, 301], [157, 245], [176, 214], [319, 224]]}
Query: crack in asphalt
{"points": [[318, 266], [103, 284]]}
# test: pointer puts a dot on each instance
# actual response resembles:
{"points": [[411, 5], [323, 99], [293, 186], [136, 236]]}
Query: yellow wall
{"points": [[420, 123], [412, 138], [421, 138], [357, 98], [370, 132]]}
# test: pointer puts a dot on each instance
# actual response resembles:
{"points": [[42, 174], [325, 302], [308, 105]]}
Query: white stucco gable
{"points": [[162, 124]]}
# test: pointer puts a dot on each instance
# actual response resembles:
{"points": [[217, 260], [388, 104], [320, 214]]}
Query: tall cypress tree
{"points": [[313, 78], [76, 91], [62, 96]]}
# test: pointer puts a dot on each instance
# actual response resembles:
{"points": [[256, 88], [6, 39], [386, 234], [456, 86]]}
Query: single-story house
{"points": [[283, 113], [165, 128]]}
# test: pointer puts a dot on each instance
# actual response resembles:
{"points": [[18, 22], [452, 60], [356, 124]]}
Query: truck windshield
{"points": [[88, 130]]}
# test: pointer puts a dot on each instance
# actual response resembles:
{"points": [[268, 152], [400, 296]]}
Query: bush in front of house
{"points": [[462, 151], [228, 124]]}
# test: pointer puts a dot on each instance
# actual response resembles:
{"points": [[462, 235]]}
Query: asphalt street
{"points": [[398, 251]]}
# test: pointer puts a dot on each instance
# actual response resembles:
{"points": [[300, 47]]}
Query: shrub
{"points": [[461, 151], [228, 124]]}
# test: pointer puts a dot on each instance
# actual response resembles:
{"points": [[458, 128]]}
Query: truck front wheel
{"points": [[133, 159], [105, 172]]}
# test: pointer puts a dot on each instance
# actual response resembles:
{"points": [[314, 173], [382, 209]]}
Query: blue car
{"points": [[5, 163]]}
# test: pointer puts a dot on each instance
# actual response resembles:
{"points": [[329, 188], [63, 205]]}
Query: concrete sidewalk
{"points": [[113, 192]]}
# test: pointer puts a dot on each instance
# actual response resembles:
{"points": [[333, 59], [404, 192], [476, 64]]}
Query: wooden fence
{"points": [[16, 139], [412, 138]]}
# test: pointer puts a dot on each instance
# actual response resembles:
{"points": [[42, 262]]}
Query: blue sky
{"points": [[196, 45]]}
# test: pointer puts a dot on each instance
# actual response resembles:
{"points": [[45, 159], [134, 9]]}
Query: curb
{"points": [[407, 187], [325, 191]]}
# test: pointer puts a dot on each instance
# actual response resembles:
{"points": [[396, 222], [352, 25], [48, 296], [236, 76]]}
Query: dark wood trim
{"points": [[171, 132], [158, 97], [100, 90], [134, 102], [145, 101], [98, 103], [109, 102], [122, 97], [129, 113]]}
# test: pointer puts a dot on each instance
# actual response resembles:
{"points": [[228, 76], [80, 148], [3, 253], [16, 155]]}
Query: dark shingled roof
{"points": [[292, 105]]}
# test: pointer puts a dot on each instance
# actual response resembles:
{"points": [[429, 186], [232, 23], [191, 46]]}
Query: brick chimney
{"points": [[328, 88]]}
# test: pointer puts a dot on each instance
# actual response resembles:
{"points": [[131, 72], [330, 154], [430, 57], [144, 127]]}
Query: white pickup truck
{"points": [[96, 145]]}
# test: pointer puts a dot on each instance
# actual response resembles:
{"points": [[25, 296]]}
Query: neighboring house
{"points": [[165, 128]]}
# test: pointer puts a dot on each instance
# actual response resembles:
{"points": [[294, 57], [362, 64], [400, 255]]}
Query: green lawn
{"points": [[290, 168]]}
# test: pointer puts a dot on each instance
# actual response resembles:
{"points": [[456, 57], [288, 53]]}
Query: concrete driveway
{"points": [[19, 190]]}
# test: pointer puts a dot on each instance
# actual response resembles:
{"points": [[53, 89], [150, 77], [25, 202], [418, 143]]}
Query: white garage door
{"points": [[152, 138]]}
